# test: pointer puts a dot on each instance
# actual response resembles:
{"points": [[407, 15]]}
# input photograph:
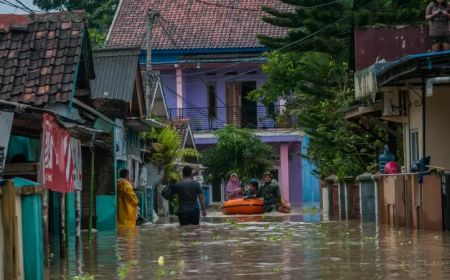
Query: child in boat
{"points": [[252, 189]]}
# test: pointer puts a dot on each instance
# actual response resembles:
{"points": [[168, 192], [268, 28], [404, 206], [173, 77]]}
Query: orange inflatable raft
{"points": [[243, 206]]}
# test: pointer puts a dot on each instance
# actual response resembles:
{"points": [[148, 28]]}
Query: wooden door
{"points": [[234, 94]]}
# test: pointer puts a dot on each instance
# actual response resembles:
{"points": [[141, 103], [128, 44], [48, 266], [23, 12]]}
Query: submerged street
{"points": [[260, 247]]}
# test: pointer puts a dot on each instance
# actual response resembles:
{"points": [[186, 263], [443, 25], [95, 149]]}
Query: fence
{"points": [[255, 117]]}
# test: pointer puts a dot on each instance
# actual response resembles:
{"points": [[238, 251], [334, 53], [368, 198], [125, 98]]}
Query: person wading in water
{"points": [[126, 202], [188, 190]]}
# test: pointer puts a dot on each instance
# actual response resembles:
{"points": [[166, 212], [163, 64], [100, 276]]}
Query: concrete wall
{"points": [[415, 122], [437, 126], [295, 175]]}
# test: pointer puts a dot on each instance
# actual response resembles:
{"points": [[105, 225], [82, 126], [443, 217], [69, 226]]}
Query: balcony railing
{"points": [[253, 117]]}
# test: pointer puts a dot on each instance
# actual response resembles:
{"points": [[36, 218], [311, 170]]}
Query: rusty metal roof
{"points": [[39, 54]]}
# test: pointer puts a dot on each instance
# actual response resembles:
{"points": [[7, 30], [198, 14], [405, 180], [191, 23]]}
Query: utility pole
{"points": [[151, 17]]}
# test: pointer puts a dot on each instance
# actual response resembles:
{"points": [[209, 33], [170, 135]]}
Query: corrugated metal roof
{"points": [[115, 71], [424, 65]]}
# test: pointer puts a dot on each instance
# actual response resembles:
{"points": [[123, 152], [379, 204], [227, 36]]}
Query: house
{"points": [[411, 93], [209, 59], [45, 72], [118, 93]]}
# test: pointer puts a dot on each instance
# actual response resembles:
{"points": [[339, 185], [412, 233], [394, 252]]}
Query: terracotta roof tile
{"points": [[182, 127], [38, 54], [194, 24]]}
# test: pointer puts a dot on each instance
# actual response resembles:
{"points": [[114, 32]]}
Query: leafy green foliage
{"points": [[238, 150], [389, 12], [165, 151], [305, 21], [99, 14], [317, 89], [311, 72]]}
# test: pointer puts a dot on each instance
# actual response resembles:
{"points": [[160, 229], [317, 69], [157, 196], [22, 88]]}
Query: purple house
{"points": [[209, 60]]}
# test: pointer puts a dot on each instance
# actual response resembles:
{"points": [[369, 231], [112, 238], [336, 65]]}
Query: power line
{"points": [[198, 109], [260, 10], [167, 33], [10, 4], [262, 56], [302, 40], [25, 6]]}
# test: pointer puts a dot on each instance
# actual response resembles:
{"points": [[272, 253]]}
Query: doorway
{"points": [[241, 111]]}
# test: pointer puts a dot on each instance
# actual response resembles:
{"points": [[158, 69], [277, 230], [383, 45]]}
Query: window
{"points": [[212, 103], [271, 110], [414, 152]]}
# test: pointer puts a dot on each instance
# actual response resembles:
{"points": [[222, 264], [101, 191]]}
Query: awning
{"points": [[414, 68], [142, 125]]}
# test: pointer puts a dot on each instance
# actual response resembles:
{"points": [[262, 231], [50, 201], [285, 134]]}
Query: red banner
{"points": [[58, 163]]}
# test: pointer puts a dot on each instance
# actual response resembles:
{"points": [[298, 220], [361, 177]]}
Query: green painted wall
{"points": [[106, 212], [33, 251]]}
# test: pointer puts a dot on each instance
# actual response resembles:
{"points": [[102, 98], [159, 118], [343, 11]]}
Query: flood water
{"points": [[262, 247]]}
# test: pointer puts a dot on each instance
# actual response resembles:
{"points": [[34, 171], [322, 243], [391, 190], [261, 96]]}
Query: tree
{"points": [[165, 151], [238, 150], [318, 89], [389, 12], [99, 14], [311, 71], [313, 25]]}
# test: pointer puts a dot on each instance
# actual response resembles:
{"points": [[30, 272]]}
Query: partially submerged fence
{"points": [[21, 242]]}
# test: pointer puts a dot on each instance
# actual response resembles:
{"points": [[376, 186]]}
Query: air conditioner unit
{"points": [[391, 103]]}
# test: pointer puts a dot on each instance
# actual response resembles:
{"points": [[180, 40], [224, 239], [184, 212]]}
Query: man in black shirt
{"points": [[188, 190]]}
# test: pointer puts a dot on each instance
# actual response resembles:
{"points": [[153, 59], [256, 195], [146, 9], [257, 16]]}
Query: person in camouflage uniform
{"points": [[270, 192]]}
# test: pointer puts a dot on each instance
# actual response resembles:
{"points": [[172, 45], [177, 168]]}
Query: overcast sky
{"points": [[5, 9]]}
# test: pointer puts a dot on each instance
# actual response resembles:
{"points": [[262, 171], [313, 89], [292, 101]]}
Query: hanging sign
{"points": [[6, 120], [58, 162]]}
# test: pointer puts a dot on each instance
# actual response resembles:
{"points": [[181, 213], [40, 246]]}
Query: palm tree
{"points": [[165, 152]]}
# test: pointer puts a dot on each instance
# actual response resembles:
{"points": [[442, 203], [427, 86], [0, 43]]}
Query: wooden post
{"points": [[151, 17], [78, 217], [91, 194], [11, 269], [45, 227], [62, 223]]}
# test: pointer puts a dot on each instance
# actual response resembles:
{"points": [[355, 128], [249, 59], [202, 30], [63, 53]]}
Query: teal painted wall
{"points": [[28, 147], [106, 212], [71, 213], [310, 182], [33, 251]]}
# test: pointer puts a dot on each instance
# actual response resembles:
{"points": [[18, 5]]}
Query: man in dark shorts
{"points": [[188, 190]]}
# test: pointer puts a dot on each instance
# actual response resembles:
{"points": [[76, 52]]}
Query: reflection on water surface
{"points": [[274, 247]]}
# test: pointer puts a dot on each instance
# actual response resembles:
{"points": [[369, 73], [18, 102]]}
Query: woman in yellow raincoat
{"points": [[126, 202]]}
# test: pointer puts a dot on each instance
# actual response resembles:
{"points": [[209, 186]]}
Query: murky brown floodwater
{"points": [[262, 248]]}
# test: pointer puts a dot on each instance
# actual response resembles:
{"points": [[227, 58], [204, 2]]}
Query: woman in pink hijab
{"points": [[234, 189]]}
